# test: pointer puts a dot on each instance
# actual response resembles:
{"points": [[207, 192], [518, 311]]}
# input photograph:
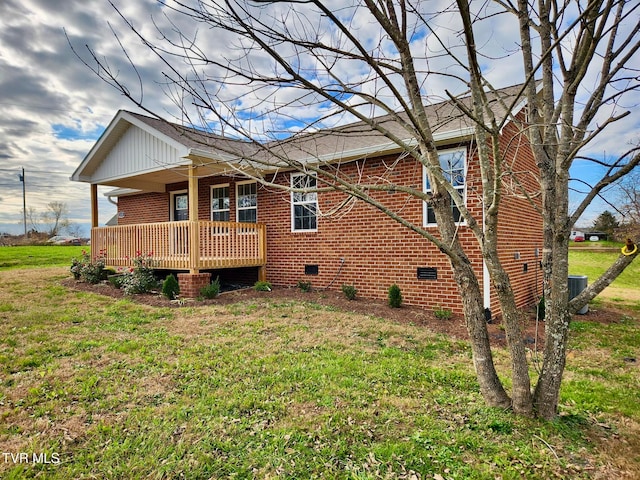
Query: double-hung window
{"points": [[453, 163], [220, 203], [304, 205], [247, 202]]}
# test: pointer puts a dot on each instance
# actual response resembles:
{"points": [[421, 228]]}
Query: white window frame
{"points": [[462, 189], [212, 210], [295, 202], [238, 207]]}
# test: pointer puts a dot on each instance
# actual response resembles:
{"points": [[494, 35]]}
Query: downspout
{"points": [[486, 280]]}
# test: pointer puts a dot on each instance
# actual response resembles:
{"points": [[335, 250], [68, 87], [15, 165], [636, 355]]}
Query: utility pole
{"points": [[24, 201]]}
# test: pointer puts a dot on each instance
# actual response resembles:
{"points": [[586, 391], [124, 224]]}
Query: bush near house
{"points": [[89, 270], [394, 296], [170, 287], [140, 278], [212, 290]]}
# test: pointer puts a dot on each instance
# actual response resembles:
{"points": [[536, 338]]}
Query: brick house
{"points": [[185, 196]]}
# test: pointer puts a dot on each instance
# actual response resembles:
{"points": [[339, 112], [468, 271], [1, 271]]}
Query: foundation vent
{"points": [[427, 273]]}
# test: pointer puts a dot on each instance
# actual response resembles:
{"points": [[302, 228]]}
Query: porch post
{"points": [[262, 248], [194, 231], [94, 205], [94, 212]]}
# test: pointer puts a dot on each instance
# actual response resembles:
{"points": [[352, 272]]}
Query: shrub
{"points": [[140, 277], [349, 291], [443, 313], [116, 280], [394, 296], [262, 286], [170, 287], [88, 270], [304, 286], [212, 290], [75, 268]]}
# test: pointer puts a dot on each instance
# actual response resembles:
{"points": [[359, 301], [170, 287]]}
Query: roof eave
{"points": [[390, 147]]}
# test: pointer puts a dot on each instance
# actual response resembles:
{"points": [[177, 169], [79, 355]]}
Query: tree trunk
{"points": [[490, 386], [557, 318], [556, 291], [522, 401]]}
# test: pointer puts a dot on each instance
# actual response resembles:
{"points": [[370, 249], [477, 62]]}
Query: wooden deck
{"points": [[219, 244]]}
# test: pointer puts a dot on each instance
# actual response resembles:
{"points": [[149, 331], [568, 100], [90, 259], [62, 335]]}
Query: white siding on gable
{"points": [[136, 152]]}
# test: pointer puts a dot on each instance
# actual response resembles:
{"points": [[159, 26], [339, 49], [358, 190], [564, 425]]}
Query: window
{"points": [[453, 163], [220, 203], [179, 209], [304, 205], [247, 202]]}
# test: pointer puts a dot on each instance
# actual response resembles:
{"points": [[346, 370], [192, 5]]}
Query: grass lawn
{"points": [[265, 389], [624, 291], [37, 256]]}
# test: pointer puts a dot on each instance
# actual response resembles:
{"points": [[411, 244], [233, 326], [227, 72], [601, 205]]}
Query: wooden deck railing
{"points": [[221, 244]]}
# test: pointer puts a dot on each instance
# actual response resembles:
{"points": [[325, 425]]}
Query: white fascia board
{"points": [[221, 156], [121, 192], [75, 176]]}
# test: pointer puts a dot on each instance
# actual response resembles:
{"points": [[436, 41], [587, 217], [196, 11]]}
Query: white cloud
{"points": [[46, 91]]}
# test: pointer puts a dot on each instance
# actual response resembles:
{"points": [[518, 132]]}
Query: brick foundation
{"points": [[192, 283]]}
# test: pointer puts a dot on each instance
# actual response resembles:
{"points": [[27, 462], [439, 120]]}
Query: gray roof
{"points": [[344, 143], [448, 123]]}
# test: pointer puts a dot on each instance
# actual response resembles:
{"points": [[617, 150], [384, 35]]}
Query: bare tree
{"points": [[54, 218], [629, 207], [283, 59], [32, 219]]}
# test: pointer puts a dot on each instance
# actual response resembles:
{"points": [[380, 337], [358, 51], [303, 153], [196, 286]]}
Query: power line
{"points": [[17, 169], [55, 109]]}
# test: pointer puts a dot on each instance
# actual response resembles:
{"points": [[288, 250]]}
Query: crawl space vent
{"points": [[311, 269], [427, 273]]}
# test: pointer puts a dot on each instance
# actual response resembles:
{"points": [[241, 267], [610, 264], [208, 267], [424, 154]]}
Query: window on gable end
{"points": [[453, 163], [304, 205]]}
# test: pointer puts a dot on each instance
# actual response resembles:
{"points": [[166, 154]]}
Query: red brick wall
{"points": [[191, 284], [520, 225], [378, 251], [143, 208]]}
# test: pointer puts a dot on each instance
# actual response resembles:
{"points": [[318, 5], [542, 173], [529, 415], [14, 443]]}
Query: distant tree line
{"points": [[625, 223], [42, 225]]}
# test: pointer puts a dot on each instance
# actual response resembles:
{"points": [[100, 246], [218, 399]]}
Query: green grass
{"points": [[594, 264], [605, 244], [266, 389], [38, 256]]}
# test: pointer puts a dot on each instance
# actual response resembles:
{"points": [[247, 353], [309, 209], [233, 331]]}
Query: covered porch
{"points": [[186, 245], [140, 156]]}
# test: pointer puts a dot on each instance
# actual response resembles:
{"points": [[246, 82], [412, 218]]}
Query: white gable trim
{"points": [[148, 150]]}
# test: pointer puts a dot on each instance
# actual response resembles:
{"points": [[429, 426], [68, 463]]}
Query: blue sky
{"points": [[54, 108]]}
